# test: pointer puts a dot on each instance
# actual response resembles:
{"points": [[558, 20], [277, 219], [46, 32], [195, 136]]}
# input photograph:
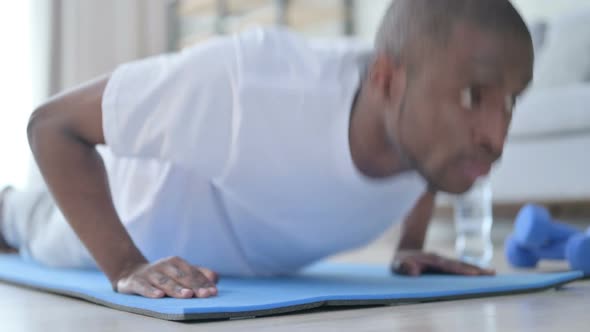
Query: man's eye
{"points": [[471, 97]]}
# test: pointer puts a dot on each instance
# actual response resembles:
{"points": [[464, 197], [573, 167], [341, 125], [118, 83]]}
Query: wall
{"points": [[534, 10], [368, 16], [369, 12]]}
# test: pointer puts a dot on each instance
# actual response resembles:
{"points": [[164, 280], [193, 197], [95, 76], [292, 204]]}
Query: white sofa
{"points": [[547, 157]]}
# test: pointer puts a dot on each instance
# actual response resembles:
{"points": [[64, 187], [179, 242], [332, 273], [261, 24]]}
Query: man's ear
{"points": [[388, 78]]}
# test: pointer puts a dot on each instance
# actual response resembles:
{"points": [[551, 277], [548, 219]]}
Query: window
{"points": [[16, 86]]}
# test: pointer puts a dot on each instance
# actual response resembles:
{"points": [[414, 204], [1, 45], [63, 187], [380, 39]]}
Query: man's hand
{"points": [[417, 262], [173, 277], [63, 134]]}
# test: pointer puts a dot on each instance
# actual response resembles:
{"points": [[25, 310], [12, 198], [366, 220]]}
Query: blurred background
{"points": [[52, 45]]}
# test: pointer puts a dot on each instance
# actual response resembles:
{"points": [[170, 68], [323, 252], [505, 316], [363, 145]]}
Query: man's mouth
{"points": [[473, 169]]}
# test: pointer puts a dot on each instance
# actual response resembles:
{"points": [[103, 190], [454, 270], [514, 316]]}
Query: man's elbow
{"points": [[74, 115], [44, 121], [37, 120]]}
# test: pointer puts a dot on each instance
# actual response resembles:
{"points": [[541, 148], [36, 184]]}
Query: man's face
{"points": [[458, 106]]}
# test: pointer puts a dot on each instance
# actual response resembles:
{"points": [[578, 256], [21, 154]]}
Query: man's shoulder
{"points": [[281, 52], [273, 50]]}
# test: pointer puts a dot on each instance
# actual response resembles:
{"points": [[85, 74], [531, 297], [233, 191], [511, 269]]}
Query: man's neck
{"points": [[373, 153]]}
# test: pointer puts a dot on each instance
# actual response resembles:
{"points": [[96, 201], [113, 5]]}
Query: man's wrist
{"points": [[410, 247], [128, 258], [410, 243]]}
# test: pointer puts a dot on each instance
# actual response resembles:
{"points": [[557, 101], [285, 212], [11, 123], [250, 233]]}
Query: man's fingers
{"points": [[481, 270], [473, 269], [417, 263], [171, 276], [444, 265], [210, 275], [454, 267], [207, 287], [185, 267], [167, 284], [413, 269], [407, 267], [212, 279], [139, 287], [190, 278], [422, 263], [143, 288]]}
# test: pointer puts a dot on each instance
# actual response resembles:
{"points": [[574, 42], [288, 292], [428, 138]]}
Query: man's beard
{"points": [[404, 153]]}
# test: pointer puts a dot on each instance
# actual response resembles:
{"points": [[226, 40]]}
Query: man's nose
{"points": [[492, 130]]}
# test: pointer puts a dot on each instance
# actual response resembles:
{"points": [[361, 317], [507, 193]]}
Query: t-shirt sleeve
{"points": [[175, 108]]}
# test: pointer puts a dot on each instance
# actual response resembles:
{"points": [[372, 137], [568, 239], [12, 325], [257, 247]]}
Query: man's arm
{"points": [[410, 258], [63, 134], [415, 226]]}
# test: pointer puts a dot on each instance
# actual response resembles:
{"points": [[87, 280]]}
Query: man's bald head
{"points": [[441, 88], [412, 29]]}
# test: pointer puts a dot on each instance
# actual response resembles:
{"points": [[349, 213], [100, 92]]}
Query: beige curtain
{"points": [[91, 37], [77, 40]]}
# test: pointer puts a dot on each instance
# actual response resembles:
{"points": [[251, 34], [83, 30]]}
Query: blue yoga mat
{"points": [[323, 284]]}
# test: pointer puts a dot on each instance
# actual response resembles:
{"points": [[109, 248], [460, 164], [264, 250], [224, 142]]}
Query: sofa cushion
{"points": [[552, 111], [565, 56], [538, 33]]}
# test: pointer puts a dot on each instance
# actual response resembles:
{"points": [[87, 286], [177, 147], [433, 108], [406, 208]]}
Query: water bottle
{"points": [[473, 224]]}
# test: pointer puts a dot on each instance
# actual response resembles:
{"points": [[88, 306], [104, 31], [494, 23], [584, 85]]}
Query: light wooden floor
{"points": [[23, 310]]}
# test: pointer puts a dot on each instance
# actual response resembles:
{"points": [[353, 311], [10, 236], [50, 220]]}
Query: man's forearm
{"points": [[75, 175], [410, 259], [415, 226]]}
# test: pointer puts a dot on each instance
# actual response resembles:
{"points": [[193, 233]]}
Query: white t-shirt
{"points": [[234, 154]]}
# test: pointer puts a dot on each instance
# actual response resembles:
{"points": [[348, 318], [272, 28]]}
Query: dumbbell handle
{"points": [[520, 256], [535, 228], [555, 250], [559, 231], [562, 231], [578, 252]]}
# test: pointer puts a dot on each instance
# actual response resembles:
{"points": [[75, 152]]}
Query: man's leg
{"points": [[31, 223], [5, 248]]}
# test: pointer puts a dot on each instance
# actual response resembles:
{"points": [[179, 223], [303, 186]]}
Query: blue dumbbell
{"points": [[534, 228], [526, 257], [577, 252]]}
